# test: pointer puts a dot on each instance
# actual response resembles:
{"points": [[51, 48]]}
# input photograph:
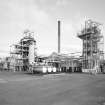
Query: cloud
{"points": [[61, 2], [41, 17], [19, 15]]}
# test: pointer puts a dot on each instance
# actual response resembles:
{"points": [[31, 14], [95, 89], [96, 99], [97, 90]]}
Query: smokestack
{"points": [[59, 32]]}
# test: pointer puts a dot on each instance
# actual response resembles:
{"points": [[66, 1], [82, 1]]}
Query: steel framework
{"points": [[22, 49], [93, 42]]}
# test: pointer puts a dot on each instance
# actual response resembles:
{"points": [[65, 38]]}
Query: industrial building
{"points": [[24, 58], [65, 62], [23, 55], [92, 52], [71, 64], [24, 52]]}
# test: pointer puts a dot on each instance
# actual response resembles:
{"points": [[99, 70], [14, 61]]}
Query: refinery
{"points": [[24, 57], [52, 52]]}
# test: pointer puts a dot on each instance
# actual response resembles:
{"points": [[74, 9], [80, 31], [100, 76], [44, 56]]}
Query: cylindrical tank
{"points": [[49, 69], [40, 69], [44, 70], [54, 69], [31, 53]]}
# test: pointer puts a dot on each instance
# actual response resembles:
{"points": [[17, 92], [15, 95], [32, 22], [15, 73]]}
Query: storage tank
{"points": [[40, 69], [54, 69], [49, 69]]}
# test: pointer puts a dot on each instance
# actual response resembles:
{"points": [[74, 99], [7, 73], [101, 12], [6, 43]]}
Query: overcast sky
{"points": [[41, 17]]}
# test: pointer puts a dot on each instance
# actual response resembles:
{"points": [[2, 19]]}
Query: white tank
{"points": [[31, 53], [54, 69], [49, 69], [40, 69], [44, 69]]}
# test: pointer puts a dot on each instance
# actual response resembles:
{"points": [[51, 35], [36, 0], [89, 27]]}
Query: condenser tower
{"points": [[25, 50], [92, 53]]}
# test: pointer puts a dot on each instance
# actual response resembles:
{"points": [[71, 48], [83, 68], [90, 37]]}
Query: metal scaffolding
{"points": [[23, 51], [93, 50]]}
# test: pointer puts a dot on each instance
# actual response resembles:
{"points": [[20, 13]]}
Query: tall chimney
{"points": [[59, 32]]}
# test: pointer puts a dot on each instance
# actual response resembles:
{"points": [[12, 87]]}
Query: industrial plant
{"points": [[24, 57], [93, 47]]}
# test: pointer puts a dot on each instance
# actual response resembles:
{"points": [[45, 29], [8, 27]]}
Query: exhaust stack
{"points": [[59, 33]]}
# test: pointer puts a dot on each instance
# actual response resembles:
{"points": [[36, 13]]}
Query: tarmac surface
{"points": [[52, 89]]}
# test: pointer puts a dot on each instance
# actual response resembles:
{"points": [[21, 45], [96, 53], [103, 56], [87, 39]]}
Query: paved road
{"points": [[59, 89]]}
